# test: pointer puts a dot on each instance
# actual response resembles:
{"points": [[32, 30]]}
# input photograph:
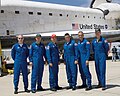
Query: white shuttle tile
{"points": [[3, 16], [2, 32], [5, 24], [41, 21], [49, 26], [44, 22], [2, 24], [12, 24]]}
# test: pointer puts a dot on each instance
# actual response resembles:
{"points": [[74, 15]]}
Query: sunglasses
{"points": [[20, 38], [80, 35]]}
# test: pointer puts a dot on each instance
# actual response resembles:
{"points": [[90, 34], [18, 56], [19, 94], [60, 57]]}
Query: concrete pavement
{"points": [[113, 83]]}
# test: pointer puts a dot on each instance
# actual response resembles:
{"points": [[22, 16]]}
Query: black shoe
{"points": [[82, 86], [26, 90], [33, 91], [69, 87], [98, 86], [40, 89], [88, 88], [104, 88], [74, 88], [15, 92], [53, 89], [58, 88]]}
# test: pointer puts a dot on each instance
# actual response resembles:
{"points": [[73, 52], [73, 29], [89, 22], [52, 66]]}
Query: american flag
{"points": [[75, 26]]}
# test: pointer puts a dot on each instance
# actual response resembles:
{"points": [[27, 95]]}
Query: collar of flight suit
{"points": [[37, 43], [19, 45], [82, 40], [69, 42], [54, 43], [99, 39]]}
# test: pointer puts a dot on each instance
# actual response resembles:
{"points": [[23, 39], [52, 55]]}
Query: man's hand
{"points": [[64, 63], [59, 63], [31, 64], [76, 62], [51, 64], [46, 63], [87, 62]]}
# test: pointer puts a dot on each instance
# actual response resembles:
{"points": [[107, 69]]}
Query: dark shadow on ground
{"points": [[109, 86], [4, 74], [46, 89]]}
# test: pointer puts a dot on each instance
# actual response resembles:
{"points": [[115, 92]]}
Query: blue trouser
{"points": [[71, 70], [37, 74], [20, 66], [100, 65], [84, 71], [53, 75]]}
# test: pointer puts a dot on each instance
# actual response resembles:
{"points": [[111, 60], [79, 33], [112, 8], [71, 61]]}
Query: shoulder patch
{"points": [[48, 47], [105, 41], [88, 42], [75, 44]]}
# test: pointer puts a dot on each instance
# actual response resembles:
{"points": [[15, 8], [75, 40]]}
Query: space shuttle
{"points": [[29, 18]]}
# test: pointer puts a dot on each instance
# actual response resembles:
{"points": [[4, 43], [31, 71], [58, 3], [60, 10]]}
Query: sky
{"points": [[82, 3]]}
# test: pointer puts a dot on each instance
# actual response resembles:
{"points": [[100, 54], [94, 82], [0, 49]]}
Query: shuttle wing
{"points": [[111, 35]]}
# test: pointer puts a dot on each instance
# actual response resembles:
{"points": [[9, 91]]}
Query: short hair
{"points": [[19, 35], [67, 34], [80, 32]]}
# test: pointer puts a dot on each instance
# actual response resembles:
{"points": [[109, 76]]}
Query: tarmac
{"points": [[112, 79]]}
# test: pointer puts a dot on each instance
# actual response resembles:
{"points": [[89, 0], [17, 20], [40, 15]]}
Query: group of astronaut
{"points": [[74, 54]]}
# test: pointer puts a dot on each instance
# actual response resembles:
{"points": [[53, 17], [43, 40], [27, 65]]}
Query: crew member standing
{"points": [[114, 53], [19, 54], [84, 54], [118, 53], [100, 48], [71, 61], [53, 60], [37, 55]]}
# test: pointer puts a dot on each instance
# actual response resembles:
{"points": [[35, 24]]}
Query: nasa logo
{"points": [[82, 43], [75, 44], [106, 41], [48, 47]]}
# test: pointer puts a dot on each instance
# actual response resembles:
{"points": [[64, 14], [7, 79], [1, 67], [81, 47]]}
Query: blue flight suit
{"points": [[53, 57], [19, 55], [100, 49], [36, 55], [83, 55], [70, 55]]}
